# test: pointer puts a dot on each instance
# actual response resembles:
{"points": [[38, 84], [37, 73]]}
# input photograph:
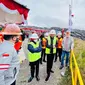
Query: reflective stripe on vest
{"points": [[34, 56], [49, 42]]}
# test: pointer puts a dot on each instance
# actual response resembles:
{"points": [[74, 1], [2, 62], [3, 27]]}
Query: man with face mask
{"points": [[9, 61], [67, 46], [34, 55]]}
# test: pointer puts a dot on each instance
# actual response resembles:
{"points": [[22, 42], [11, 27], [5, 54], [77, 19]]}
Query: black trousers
{"points": [[42, 55], [14, 83], [34, 66], [58, 53], [50, 58]]}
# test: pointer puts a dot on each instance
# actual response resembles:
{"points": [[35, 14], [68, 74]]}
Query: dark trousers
{"points": [[14, 83], [34, 66], [50, 58], [42, 55], [58, 53]]}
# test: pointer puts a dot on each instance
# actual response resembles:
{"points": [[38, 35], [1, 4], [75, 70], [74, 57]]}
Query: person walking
{"points": [[50, 52], [9, 61], [67, 46], [59, 47], [34, 55]]}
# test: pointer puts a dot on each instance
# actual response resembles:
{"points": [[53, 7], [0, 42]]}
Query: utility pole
{"points": [[70, 16]]}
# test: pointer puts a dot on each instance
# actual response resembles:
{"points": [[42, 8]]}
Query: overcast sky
{"points": [[48, 13]]}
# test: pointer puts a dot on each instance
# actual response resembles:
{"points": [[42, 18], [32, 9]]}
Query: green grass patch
{"points": [[66, 80]]}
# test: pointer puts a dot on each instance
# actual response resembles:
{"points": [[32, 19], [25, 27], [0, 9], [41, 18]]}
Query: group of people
{"points": [[51, 45]]}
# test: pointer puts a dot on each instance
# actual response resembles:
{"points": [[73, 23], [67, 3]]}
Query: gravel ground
{"points": [[25, 72]]}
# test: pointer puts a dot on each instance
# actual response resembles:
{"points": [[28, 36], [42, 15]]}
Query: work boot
{"points": [[37, 78], [47, 78], [30, 79], [51, 71], [67, 65], [61, 67]]}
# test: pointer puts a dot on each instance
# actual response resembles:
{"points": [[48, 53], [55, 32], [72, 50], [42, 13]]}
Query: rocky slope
{"points": [[75, 32]]}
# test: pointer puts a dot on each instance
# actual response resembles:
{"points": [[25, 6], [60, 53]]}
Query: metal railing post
{"points": [[76, 76], [75, 72]]}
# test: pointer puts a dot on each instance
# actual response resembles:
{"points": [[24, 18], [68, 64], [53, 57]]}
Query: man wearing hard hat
{"points": [[43, 41], [50, 51], [59, 46], [34, 55], [9, 62]]}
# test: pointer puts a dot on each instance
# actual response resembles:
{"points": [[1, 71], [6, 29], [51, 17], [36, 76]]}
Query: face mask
{"points": [[35, 40]]}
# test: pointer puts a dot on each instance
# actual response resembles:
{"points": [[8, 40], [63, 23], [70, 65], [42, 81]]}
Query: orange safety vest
{"points": [[44, 43], [18, 44], [59, 43]]}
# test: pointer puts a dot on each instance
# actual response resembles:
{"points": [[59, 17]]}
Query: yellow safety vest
{"points": [[34, 56], [49, 42]]}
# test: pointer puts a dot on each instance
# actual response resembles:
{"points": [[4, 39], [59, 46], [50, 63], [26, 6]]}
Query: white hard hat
{"points": [[46, 34], [52, 32], [59, 33], [34, 36]]}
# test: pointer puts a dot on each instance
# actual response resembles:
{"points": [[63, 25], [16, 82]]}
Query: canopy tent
{"points": [[12, 12]]}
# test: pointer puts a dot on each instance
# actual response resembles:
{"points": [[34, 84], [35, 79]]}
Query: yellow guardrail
{"points": [[75, 72]]}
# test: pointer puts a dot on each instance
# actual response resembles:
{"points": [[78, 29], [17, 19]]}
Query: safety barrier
{"points": [[75, 72]]}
